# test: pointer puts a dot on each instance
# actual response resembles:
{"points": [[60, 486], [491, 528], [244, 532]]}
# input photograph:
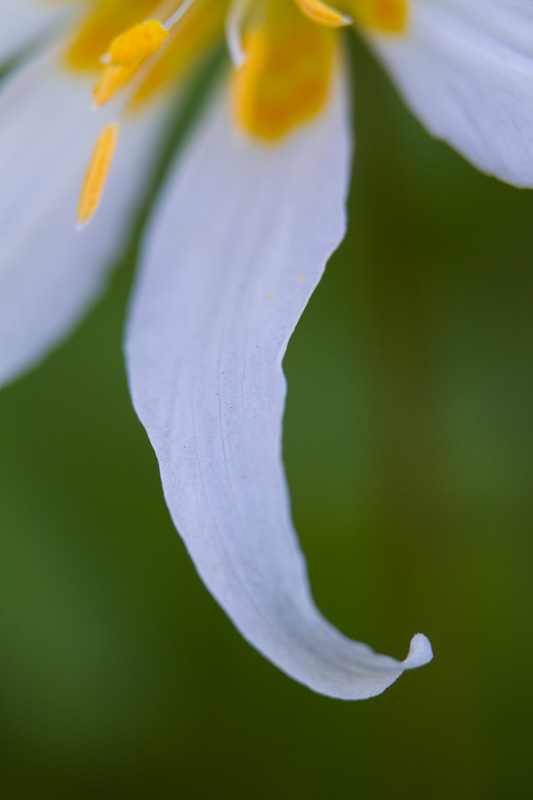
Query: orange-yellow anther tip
{"points": [[323, 14], [110, 81], [136, 44], [96, 175]]}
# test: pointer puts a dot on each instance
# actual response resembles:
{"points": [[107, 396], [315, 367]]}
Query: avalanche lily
{"points": [[250, 213]]}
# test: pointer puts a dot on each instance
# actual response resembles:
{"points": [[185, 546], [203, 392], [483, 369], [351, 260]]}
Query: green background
{"points": [[408, 446]]}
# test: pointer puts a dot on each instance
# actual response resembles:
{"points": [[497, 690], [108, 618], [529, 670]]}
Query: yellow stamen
{"points": [[323, 14], [136, 44], [97, 172], [112, 78], [196, 31], [106, 20]]}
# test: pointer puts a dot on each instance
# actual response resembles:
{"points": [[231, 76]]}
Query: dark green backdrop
{"points": [[408, 445]]}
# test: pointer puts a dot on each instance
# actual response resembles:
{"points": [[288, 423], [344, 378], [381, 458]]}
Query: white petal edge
{"points": [[238, 243], [465, 67], [49, 273], [22, 21]]}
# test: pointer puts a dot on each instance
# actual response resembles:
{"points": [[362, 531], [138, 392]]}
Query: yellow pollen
{"points": [[323, 14], [136, 44], [97, 172]]}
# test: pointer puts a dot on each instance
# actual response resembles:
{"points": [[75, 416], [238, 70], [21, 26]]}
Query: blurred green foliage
{"points": [[408, 446]]}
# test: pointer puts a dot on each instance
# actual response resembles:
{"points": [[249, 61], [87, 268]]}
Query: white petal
{"points": [[239, 242], [466, 68], [21, 21], [48, 272]]}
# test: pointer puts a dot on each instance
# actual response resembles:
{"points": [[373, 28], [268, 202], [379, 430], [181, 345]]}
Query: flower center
{"points": [[283, 51]]}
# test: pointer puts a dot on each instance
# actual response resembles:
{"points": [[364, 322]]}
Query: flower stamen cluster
{"points": [[283, 63]]}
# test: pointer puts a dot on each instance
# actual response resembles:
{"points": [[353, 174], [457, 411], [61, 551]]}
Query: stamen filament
{"points": [[234, 22], [178, 14]]}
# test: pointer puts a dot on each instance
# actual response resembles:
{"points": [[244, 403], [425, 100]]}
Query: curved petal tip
{"points": [[420, 652]]}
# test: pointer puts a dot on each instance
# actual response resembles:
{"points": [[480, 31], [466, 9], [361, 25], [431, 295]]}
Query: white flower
{"points": [[249, 216]]}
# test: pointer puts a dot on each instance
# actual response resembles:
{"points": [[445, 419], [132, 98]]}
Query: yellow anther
{"points": [[323, 14], [136, 44], [112, 78], [97, 172]]}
